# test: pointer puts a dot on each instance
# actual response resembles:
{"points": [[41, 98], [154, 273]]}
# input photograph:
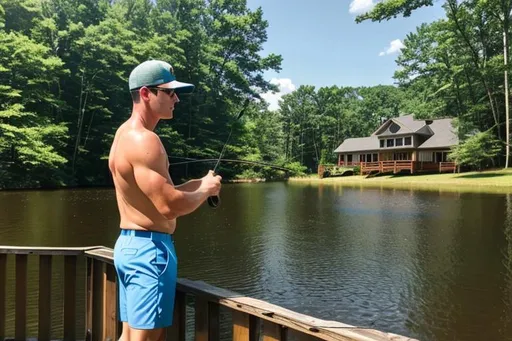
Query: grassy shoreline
{"points": [[495, 181]]}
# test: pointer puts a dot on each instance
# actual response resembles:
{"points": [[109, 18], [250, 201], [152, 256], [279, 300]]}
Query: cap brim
{"points": [[179, 87]]}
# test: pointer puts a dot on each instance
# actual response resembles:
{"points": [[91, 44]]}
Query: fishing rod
{"points": [[214, 201], [255, 163]]}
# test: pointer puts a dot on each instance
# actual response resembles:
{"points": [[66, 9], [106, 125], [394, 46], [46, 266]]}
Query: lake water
{"points": [[424, 264]]}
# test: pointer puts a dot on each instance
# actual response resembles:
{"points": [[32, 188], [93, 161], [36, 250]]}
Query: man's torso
{"points": [[136, 210]]}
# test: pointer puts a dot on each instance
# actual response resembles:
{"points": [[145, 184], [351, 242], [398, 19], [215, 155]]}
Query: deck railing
{"points": [[250, 319]]}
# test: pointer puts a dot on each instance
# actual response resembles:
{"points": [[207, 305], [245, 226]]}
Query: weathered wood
{"points": [[103, 254], [241, 326], [206, 320], [201, 319], [97, 300], [3, 298], [54, 251], [213, 321], [21, 297], [327, 330], [273, 332], [101, 307], [176, 332], [109, 303], [69, 297], [45, 295], [88, 298], [254, 326], [298, 336]]}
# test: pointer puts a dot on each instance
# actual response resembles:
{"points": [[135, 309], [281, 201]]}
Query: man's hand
{"points": [[211, 183]]}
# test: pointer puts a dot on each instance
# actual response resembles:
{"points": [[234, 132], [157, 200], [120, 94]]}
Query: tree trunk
{"points": [[507, 120]]}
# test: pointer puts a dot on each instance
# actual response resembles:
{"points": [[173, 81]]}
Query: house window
{"points": [[390, 142], [349, 158], [382, 143], [394, 128], [399, 142], [408, 141], [375, 157]]}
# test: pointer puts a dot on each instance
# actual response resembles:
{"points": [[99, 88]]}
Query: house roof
{"points": [[407, 125], [440, 131], [359, 144], [444, 135]]}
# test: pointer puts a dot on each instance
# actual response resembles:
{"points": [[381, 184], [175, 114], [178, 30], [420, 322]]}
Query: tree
{"points": [[476, 150]]}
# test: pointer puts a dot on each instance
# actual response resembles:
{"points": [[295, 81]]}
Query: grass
{"points": [[493, 181]]}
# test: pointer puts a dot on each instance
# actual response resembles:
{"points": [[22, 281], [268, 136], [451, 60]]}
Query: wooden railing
{"points": [[412, 166], [387, 166], [250, 319], [447, 166]]}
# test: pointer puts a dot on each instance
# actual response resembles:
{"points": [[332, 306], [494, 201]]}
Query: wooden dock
{"points": [[252, 319]]}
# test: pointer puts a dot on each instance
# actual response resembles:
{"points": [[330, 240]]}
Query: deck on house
{"points": [[252, 319], [397, 166]]}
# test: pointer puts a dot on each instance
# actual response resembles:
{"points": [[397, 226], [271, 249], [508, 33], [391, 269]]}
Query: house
{"points": [[402, 143]]}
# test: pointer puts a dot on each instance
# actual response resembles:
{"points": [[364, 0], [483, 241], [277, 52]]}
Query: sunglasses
{"points": [[169, 92]]}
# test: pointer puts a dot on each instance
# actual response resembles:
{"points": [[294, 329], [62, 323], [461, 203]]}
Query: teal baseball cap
{"points": [[157, 73]]}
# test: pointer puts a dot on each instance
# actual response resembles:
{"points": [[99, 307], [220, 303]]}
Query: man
{"points": [[149, 204]]}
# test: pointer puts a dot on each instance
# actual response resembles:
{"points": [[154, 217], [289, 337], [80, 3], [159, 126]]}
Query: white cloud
{"points": [[394, 47], [361, 6], [285, 86]]}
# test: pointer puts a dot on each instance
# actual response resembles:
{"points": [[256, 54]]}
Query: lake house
{"points": [[402, 143]]}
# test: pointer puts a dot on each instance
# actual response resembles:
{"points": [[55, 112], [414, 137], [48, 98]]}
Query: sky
{"points": [[322, 45]]}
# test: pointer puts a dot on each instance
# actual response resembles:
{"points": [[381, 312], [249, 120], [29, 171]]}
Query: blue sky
{"points": [[321, 44]]}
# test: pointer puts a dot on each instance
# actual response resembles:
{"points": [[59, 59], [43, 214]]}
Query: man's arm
{"points": [[189, 186], [152, 176]]}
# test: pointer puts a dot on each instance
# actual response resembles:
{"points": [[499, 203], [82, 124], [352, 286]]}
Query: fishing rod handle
{"points": [[214, 201]]}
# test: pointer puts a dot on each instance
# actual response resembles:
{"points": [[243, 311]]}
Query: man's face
{"points": [[162, 101]]}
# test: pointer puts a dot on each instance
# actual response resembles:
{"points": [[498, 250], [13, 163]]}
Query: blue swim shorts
{"points": [[146, 266]]}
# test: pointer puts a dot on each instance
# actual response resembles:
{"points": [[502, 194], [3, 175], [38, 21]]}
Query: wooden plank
{"points": [[201, 319], [69, 297], [21, 297], [88, 298], [109, 303], [3, 292], [298, 336], [213, 321], [272, 332], [327, 330], [241, 326], [45, 295], [362, 334], [177, 331], [254, 328], [103, 254], [97, 300], [54, 251]]}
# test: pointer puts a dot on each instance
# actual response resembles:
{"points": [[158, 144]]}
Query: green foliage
{"points": [[64, 66], [476, 150]]}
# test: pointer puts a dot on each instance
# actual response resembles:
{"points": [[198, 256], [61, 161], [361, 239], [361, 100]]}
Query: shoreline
{"points": [[495, 181]]}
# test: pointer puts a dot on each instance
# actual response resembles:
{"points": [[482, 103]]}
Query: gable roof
{"points": [[407, 125], [444, 136]]}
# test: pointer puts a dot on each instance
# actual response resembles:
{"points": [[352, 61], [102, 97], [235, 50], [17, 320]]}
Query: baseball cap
{"points": [[157, 72]]}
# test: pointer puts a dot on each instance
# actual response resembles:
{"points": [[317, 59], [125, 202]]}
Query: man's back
{"points": [[129, 168]]}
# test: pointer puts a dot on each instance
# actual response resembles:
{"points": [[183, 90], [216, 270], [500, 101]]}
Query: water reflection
{"points": [[430, 265]]}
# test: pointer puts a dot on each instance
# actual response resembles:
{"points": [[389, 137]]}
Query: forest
{"points": [[64, 67]]}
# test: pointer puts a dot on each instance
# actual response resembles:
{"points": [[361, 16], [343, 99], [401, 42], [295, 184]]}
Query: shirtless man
{"points": [[149, 204]]}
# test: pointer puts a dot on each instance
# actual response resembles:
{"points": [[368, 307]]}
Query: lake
{"points": [[426, 264]]}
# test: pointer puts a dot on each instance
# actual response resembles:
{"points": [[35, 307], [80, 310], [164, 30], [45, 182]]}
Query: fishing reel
{"points": [[214, 201]]}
